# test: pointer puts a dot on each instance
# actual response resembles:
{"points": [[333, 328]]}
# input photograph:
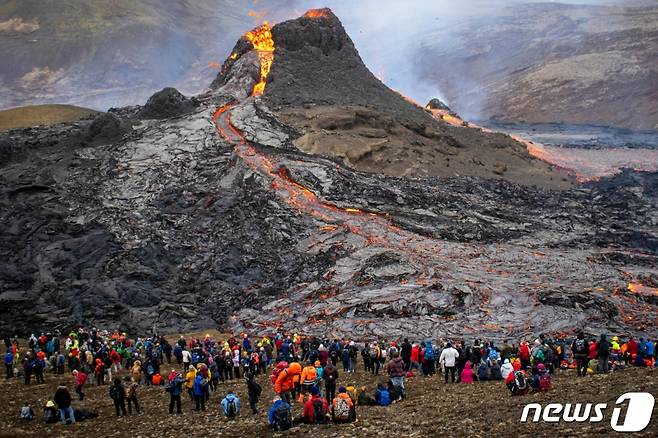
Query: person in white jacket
{"points": [[506, 369], [448, 359]]}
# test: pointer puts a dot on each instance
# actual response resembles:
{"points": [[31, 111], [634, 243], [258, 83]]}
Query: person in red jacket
{"points": [[115, 357], [593, 349], [415, 357], [631, 351], [80, 380], [524, 354], [316, 408]]}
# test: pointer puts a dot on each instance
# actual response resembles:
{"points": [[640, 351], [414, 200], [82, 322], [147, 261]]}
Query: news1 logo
{"points": [[638, 412]]}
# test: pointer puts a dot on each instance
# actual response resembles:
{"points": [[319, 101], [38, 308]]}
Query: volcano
{"points": [[299, 193]]}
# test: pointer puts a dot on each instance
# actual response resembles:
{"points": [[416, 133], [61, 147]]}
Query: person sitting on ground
{"points": [[517, 381], [506, 369], [50, 413], [483, 372], [63, 399], [495, 370], [279, 415], [467, 373], [342, 408], [364, 398], [316, 408], [231, 405], [27, 413], [542, 380]]}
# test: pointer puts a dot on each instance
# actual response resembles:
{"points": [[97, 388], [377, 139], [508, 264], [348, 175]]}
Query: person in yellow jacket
{"points": [[189, 381], [308, 377], [615, 350]]}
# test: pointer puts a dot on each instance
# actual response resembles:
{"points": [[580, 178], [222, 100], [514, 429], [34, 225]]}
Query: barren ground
{"points": [[432, 408]]}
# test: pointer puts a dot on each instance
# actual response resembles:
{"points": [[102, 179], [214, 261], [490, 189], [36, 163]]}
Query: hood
{"points": [[230, 397], [467, 365], [517, 365], [506, 362]]}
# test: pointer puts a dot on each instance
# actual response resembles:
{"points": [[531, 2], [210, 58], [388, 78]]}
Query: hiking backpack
{"points": [[580, 346], [282, 418], [544, 382], [318, 411], [27, 413], [384, 398], [520, 383], [275, 374], [341, 409]]}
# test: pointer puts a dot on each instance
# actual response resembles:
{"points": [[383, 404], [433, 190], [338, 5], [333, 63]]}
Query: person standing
{"points": [[175, 388], [9, 363], [448, 359], [603, 354], [580, 349], [330, 377], [118, 396], [395, 370], [80, 380], [130, 386]]}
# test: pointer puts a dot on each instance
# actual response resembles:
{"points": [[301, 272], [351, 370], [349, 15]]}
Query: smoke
{"points": [[394, 37]]}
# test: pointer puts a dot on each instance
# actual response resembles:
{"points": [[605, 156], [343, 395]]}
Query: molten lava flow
{"points": [[445, 116], [640, 289], [261, 39], [318, 13]]}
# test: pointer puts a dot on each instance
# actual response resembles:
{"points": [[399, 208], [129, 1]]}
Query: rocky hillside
{"points": [[549, 62], [101, 53]]}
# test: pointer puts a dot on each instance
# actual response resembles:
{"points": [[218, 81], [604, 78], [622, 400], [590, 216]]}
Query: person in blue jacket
{"points": [[231, 405], [9, 364], [199, 392], [279, 415]]}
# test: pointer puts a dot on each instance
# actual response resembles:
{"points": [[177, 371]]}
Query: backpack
{"points": [[520, 383], [275, 374], [384, 397], [580, 346], [429, 353], [231, 410], [373, 353], [150, 370], [27, 413], [318, 411], [544, 382], [341, 409], [49, 416], [539, 355], [493, 354], [282, 420]]}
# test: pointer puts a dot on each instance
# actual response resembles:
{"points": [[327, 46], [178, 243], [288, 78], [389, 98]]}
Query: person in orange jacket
{"points": [[285, 381], [342, 408], [308, 378]]}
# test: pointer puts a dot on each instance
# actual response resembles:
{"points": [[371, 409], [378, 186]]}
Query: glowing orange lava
{"points": [[261, 39], [640, 289], [318, 13]]}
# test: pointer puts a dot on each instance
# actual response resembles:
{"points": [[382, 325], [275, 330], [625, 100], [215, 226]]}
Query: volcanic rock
{"points": [[214, 217], [168, 102], [319, 85]]}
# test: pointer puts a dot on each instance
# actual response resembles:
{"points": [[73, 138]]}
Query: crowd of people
{"points": [[302, 370]]}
